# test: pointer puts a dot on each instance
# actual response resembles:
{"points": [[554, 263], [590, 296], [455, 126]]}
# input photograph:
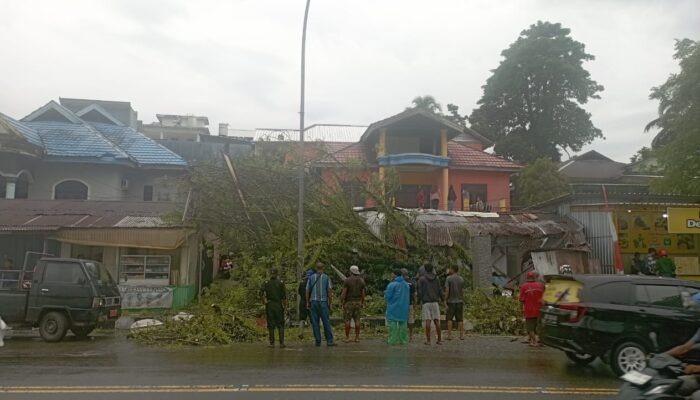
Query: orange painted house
{"points": [[427, 152]]}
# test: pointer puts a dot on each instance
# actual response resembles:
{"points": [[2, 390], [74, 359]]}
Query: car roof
{"points": [[638, 279]]}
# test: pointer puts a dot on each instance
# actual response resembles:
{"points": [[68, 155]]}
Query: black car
{"points": [[620, 319]]}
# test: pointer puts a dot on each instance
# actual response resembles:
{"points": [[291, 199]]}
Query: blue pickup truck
{"points": [[57, 295]]}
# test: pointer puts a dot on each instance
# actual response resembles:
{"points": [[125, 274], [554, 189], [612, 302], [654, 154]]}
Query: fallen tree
{"points": [[250, 206]]}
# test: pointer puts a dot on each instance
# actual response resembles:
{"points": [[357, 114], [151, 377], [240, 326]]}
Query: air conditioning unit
{"points": [[124, 184]]}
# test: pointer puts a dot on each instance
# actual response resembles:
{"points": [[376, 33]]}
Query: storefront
{"points": [[673, 229]]}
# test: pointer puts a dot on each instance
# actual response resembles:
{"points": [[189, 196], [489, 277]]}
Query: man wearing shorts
{"points": [[353, 301], [454, 293], [430, 295], [531, 293]]}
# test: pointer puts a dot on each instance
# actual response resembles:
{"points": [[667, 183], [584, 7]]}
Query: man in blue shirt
{"points": [[397, 296], [319, 298]]}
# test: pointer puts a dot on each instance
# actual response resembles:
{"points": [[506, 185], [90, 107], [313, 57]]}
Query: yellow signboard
{"points": [[639, 230], [683, 220]]}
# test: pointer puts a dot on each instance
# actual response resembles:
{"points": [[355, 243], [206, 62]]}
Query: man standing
{"points": [[397, 296], [412, 299], [319, 297], [353, 300], [430, 295], [531, 293], [303, 305], [274, 298], [454, 293], [650, 261], [451, 198], [664, 265]]}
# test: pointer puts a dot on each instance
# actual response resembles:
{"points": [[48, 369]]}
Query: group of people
{"points": [[655, 263], [434, 198], [402, 295]]}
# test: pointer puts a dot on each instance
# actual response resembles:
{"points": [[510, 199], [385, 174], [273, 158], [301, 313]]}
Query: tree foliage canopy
{"points": [[531, 103], [538, 182], [677, 145], [426, 102]]}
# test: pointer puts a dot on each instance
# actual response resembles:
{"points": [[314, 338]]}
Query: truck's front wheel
{"points": [[82, 332], [53, 326]]}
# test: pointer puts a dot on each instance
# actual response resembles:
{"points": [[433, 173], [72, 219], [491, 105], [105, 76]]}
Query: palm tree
{"points": [[426, 102]]}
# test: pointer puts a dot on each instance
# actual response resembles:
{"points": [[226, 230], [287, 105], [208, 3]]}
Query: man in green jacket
{"points": [[665, 266]]}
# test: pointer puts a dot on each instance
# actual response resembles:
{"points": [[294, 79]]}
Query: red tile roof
{"points": [[342, 152], [463, 157]]}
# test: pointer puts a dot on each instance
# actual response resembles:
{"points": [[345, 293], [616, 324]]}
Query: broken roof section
{"points": [[541, 231]]}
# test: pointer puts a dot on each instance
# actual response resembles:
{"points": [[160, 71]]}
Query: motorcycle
{"points": [[660, 380]]}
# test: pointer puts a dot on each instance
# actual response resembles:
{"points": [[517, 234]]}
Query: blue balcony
{"points": [[413, 159]]}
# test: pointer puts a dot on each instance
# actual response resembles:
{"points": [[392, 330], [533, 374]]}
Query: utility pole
{"points": [[300, 222]]}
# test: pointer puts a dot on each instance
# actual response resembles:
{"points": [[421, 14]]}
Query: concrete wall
{"points": [[103, 181], [497, 184], [163, 183]]}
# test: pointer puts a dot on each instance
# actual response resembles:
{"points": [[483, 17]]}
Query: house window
{"points": [[145, 270], [21, 188], [70, 190], [148, 193]]}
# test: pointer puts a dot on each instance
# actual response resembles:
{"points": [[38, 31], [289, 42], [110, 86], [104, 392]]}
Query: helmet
{"points": [[531, 275], [663, 253]]}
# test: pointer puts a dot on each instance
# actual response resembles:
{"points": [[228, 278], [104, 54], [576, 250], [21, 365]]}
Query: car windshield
{"points": [[98, 272]]}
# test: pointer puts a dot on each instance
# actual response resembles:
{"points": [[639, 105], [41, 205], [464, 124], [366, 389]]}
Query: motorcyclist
{"points": [[691, 381]]}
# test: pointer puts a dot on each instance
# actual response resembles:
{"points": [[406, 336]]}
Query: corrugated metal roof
{"points": [[20, 215], [539, 231], [312, 133], [141, 222]]}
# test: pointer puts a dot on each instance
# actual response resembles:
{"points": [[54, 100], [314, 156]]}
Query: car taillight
{"points": [[98, 302], [576, 311]]}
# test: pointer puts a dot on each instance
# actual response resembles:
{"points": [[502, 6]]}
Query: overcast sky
{"points": [[237, 61]]}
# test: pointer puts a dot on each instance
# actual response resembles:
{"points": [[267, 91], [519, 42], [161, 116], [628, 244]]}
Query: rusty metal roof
{"points": [[52, 215], [538, 231]]}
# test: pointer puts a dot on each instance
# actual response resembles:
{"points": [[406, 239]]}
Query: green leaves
{"points": [[538, 182], [677, 144], [531, 103]]}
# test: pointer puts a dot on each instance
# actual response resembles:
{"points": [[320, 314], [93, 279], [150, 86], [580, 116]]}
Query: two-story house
{"points": [[78, 180], [428, 152]]}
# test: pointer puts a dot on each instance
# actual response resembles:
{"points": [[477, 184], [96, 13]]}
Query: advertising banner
{"points": [[146, 297], [683, 220], [640, 230]]}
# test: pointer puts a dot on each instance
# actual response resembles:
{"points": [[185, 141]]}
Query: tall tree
{"points": [[531, 106], [426, 102], [538, 182], [677, 145]]}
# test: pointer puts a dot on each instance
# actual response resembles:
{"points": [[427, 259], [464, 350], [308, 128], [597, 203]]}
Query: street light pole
{"points": [[300, 222]]}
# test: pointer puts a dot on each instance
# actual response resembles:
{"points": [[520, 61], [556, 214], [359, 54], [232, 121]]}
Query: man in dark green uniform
{"points": [[275, 298]]}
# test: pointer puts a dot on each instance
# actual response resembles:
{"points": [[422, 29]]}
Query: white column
{"points": [[10, 190]]}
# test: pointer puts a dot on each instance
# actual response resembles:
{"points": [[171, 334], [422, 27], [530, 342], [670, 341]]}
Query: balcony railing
{"points": [[413, 159]]}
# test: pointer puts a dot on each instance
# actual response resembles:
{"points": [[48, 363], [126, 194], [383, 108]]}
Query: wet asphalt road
{"points": [[113, 367]]}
